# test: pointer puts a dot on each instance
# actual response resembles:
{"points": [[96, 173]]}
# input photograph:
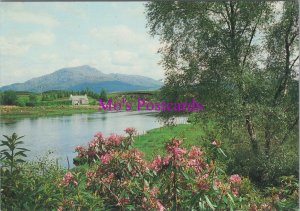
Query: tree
{"points": [[9, 98], [103, 95], [238, 58]]}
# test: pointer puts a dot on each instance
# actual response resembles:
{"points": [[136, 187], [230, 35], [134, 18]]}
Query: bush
{"points": [[112, 175], [183, 179], [21, 102], [261, 169], [103, 95], [9, 98]]}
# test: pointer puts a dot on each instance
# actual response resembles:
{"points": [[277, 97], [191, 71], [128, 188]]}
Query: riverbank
{"points": [[15, 112], [8, 112], [153, 141]]}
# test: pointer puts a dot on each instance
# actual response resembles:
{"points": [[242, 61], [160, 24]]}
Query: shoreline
{"points": [[17, 112]]}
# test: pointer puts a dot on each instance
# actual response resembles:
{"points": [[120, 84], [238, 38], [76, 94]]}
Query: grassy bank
{"points": [[8, 112], [153, 141], [61, 105]]}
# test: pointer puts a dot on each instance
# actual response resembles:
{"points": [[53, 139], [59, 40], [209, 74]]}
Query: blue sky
{"points": [[39, 38]]}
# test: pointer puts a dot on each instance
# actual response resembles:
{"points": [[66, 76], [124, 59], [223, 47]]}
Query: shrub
{"points": [[261, 169], [11, 158], [183, 179], [9, 98]]}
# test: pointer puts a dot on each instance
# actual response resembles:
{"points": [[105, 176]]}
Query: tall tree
{"points": [[216, 51]]}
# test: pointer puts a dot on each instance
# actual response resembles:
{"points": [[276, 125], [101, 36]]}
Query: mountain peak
{"points": [[81, 68], [85, 76]]}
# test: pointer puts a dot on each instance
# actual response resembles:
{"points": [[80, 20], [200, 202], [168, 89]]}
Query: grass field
{"points": [[153, 142], [62, 106], [22, 112]]}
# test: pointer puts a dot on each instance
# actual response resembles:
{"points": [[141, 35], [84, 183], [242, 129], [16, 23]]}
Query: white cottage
{"points": [[79, 99]]}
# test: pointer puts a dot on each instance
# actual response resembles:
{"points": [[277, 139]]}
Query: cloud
{"points": [[30, 17], [12, 47], [18, 45], [119, 35], [79, 47], [40, 38], [123, 57], [127, 51], [34, 46]]}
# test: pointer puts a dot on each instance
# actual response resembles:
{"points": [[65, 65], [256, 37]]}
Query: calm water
{"points": [[63, 133]]}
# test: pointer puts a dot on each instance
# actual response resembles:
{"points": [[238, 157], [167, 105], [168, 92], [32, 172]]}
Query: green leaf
{"points": [[7, 155], [24, 149], [221, 151], [20, 161], [129, 167], [21, 153], [230, 197], [209, 202], [185, 175]]}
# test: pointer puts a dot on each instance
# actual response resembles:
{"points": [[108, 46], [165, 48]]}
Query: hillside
{"points": [[79, 78]]}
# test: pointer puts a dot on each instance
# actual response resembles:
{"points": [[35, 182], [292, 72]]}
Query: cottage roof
{"points": [[78, 97]]}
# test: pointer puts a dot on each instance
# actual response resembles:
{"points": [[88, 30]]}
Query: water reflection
{"points": [[63, 133]]}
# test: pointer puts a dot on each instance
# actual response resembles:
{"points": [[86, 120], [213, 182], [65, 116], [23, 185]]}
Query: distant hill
{"points": [[78, 78]]}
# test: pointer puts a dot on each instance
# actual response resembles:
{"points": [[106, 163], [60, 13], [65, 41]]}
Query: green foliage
{"points": [[103, 95], [9, 98], [247, 85], [118, 178], [21, 102], [33, 100], [11, 157], [55, 103], [181, 180], [261, 169]]}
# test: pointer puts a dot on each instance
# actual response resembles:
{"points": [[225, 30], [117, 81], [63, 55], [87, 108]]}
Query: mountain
{"points": [[78, 78]]}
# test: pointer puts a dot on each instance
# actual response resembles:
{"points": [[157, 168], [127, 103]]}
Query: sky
{"points": [[42, 37]]}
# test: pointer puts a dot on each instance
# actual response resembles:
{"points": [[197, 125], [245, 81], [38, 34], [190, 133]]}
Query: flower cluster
{"points": [[121, 177], [68, 179], [130, 131], [102, 148]]}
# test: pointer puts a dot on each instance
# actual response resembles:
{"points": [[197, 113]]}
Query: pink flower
{"points": [[156, 163], [173, 148], [179, 152], [235, 179], [68, 178], [235, 191], [93, 143], [115, 139], [216, 143], [130, 130], [123, 201], [90, 175], [81, 151], [108, 179], [202, 182], [154, 191], [166, 160], [172, 174], [195, 152], [99, 135], [160, 206], [105, 158], [173, 144], [203, 185], [78, 148], [217, 183]]}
